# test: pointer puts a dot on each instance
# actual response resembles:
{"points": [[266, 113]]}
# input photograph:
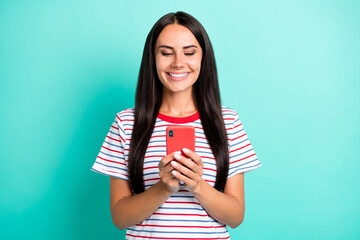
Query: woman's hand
{"points": [[172, 184], [189, 170]]}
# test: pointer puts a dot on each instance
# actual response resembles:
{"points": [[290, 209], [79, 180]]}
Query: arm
{"points": [[227, 207], [231, 209], [128, 210]]}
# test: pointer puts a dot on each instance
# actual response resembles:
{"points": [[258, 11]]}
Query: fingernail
{"points": [[174, 173], [185, 150], [173, 163], [177, 156]]}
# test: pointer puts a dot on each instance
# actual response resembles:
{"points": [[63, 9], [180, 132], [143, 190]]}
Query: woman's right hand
{"points": [[172, 184]]}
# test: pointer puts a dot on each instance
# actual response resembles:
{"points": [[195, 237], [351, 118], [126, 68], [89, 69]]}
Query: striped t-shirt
{"points": [[181, 216]]}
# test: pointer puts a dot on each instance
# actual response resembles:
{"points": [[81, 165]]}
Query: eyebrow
{"points": [[186, 47]]}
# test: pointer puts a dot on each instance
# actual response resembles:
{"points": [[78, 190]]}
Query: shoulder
{"points": [[126, 115], [125, 120], [230, 117], [229, 113]]}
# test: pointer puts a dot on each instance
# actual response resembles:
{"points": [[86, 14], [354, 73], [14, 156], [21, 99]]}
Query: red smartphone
{"points": [[179, 137]]}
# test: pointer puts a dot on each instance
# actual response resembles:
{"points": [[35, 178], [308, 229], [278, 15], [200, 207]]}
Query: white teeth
{"points": [[178, 75]]}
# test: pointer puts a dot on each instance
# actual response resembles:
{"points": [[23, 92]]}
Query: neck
{"points": [[178, 104]]}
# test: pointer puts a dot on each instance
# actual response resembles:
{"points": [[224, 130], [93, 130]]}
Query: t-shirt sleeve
{"points": [[111, 159], [242, 157]]}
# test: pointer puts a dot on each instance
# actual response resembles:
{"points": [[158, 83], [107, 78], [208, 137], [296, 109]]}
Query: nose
{"points": [[178, 61]]}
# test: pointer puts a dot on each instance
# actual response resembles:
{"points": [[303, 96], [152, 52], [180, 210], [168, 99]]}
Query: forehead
{"points": [[176, 35]]}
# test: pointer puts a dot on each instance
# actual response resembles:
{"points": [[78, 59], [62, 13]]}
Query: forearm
{"points": [[222, 207], [132, 210]]}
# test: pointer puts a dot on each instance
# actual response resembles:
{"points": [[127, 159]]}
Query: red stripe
{"points": [[151, 179], [118, 118], [115, 127], [227, 110], [139, 236], [146, 168], [111, 161], [158, 136], [155, 156], [181, 214], [111, 171], [209, 181], [238, 125], [239, 137], [187, 119], [169, 125], [240, 148], [243, 158], [200, 137], [210, 169], [112, 150], [207, 157], [113, 139], [150, 225], [116, 139], [102, 169]]}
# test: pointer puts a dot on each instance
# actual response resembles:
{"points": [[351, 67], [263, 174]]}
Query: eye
{"points": [[189, 54], [165, 53]]}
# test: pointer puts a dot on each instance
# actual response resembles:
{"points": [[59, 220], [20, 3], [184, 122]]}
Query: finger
{"points": [[171, 182], [168, 168], [183, 170], [189, 163], [169, 178], [194, 156], [182, 177], [165, 160]]}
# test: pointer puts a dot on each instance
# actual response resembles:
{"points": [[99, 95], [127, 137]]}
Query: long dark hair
{"points": [[206, 96]]}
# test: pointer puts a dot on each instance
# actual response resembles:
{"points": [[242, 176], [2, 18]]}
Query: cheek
{"points": [[195, 64], [161, 64]]}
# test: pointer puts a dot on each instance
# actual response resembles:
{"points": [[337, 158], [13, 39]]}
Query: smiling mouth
{"points": [[178, 75]]}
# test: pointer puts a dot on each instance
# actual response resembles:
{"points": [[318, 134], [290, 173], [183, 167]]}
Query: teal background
{"points": [[290, 69]]}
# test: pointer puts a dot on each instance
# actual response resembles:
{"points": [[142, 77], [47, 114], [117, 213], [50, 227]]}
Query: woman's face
{"points": [[178, 58]]}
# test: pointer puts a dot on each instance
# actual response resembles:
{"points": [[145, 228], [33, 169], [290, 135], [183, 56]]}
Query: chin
{"points": [[177, 89]]}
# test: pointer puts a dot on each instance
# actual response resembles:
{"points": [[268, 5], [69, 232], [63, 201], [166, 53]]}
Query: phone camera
{"points": [[171, 133]]}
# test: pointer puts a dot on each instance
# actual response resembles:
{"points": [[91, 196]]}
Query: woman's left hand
{"points": [[189, 170]]}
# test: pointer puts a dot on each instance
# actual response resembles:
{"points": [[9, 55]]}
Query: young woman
{"points": [[159, 196]]}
